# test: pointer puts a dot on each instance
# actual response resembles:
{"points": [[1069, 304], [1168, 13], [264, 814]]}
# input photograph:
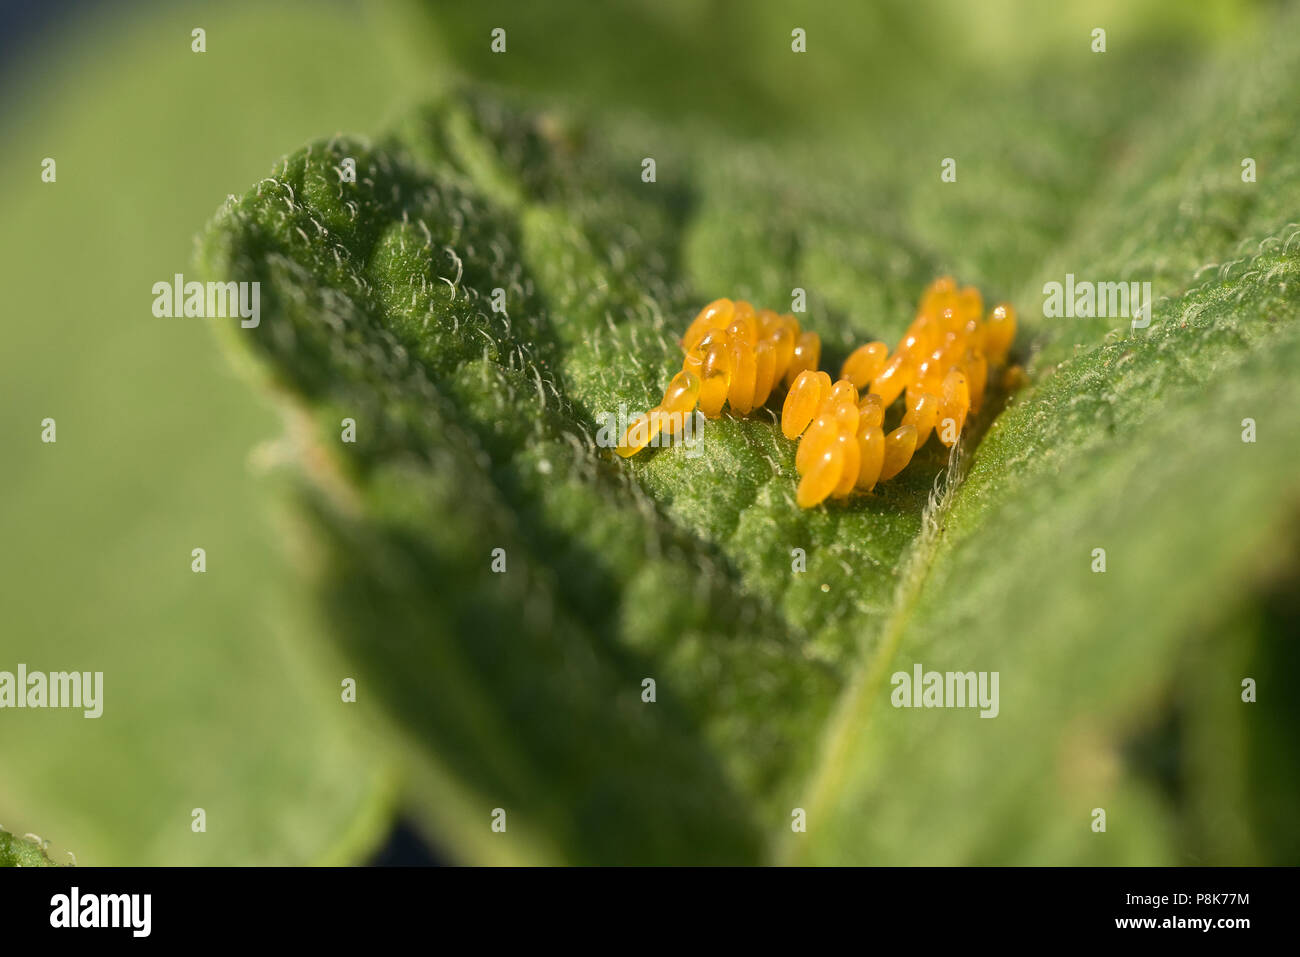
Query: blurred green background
{"points": [[219, 694], [209, 700]]}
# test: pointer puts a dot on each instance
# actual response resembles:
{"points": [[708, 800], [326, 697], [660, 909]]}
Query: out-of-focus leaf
{"points": [[213, 697]]}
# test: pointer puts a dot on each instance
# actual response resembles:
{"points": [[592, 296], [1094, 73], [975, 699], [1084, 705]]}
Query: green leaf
{"points": [[475, 432], [19, 852]]}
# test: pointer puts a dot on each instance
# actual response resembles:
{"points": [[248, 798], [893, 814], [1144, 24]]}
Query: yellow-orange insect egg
{"points": [[973, 334], [919, 339], [716, 315], [694, 360], [711, 337], [807, 353], [899, 446], [641, 431], [682, 393], [892, 380], [768, 320], [970, 303], [976, 367], [813, 443], [715, 378], [864, 363], [744, 368], [922, 413], [871, 409], [999, 333], [742, 331], [782, 338], [926, 327], [745, 315], [954, 403], [928, 377], [764, 371], [801, 403], [871, 455], [852, 453], [842, 392], [940, 294], [942, 286], [822, 477], [951, 319], [846, 417], [670, 423], [744, 376]]}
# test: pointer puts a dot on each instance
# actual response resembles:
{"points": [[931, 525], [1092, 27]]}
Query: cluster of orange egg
{"points": [[736, 356], [941, 367]]}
